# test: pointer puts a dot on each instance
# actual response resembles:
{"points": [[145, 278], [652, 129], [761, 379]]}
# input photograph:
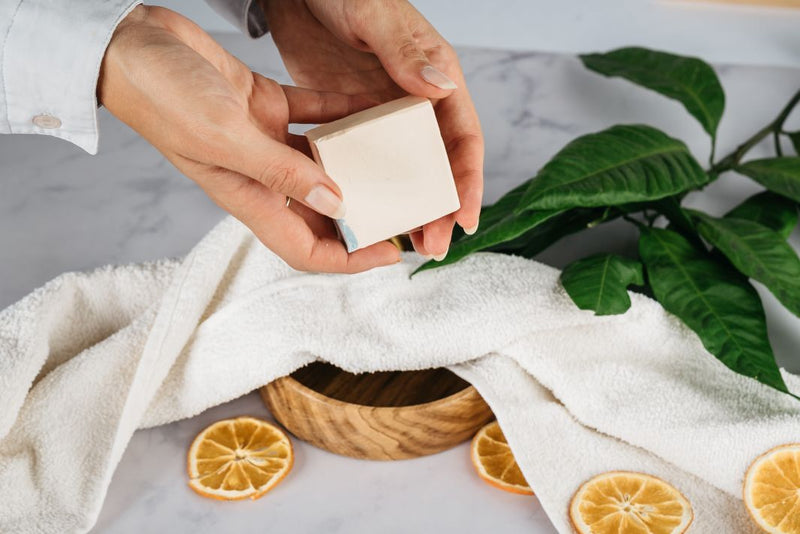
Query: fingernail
{"points": [[471, 230], [434, 76], [323, 200], [441, 256]]}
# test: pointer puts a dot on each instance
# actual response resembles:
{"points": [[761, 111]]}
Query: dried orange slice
{"points": [[630, 503], [239, 458], [772, 490], [494, 461]]}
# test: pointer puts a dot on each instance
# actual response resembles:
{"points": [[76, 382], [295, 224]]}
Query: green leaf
{"points": [[600, 282], [679, 220], [690, 81], [768, 209], [794, 137], [534, 241], [779, 175], [490, 216], [504, 229], [503, 206], [625, 163], [758, 252], [712, 299]]}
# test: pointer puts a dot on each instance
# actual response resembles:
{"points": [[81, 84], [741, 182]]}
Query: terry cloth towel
{"points": [[89, 358]]}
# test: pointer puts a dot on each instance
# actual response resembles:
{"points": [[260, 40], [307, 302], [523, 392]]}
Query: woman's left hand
{"points": [[384, 50]]}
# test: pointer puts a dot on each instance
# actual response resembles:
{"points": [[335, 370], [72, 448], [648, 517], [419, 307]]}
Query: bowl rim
{"points": [[319, 397]]}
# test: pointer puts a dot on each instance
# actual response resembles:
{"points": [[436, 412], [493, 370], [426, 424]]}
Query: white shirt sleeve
{"points": [[246, 15], [50, 56]]}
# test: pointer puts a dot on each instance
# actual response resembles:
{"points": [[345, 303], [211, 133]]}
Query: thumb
{"points": [[287, 171], [405, 60]]}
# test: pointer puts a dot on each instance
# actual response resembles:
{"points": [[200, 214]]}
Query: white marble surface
{"points": [[61, 209], [717, 30]]}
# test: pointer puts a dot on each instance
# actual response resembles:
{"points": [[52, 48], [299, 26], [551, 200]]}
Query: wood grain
{"points": [[379, 416]]}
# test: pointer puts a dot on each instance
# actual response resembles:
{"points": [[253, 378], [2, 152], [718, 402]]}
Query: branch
{"points": [[735, 157]]}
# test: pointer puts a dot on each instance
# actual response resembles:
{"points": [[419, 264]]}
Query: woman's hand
{"points": [[227, 129], [384, 50]]}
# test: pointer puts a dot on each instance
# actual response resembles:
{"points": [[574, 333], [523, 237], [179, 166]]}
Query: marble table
{"points": [[61, 209]]}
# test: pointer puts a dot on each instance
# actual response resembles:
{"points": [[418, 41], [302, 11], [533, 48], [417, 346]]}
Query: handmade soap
{"points": [[391, 165]]}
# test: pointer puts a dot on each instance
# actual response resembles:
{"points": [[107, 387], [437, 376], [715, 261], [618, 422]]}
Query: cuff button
{"points": [[48, 122]]}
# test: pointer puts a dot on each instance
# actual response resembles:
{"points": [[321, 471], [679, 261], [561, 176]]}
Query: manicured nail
{"points": [[434, 76], [471, 230], [323, 200], [441, 256]]}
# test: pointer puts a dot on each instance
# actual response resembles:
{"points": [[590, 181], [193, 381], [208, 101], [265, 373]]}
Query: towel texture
{"points": [[89, 358]]}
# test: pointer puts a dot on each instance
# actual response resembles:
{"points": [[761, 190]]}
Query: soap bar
{"points": [[391, 165]]}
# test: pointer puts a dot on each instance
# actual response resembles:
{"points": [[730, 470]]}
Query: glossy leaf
{"points": [[794, 137], [768, 209], [758, 252], [678, 219], [505, 229], [534, 241], [779, 175], [599, 283], [503, 206], [625, 163], [713, 300], [690, 81]]}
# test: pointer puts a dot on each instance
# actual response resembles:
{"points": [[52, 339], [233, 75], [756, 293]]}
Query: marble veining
{"points": [[61, 210]]}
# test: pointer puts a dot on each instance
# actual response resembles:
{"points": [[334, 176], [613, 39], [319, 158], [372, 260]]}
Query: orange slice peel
{"points": [[624, 501], [494, 461], [772, 490], [238, 458]]}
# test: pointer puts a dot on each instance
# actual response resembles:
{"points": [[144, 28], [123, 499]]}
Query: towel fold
{"points": [[89, 358]]}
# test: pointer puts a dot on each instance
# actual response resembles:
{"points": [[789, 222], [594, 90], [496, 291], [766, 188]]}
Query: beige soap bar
{"points": [[391, 165]]}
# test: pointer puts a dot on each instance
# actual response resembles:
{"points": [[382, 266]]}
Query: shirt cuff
{"points": [[246, 15], [50, 65]]}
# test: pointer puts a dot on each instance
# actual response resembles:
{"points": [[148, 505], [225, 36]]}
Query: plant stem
{"points": [[733, 159], [777, 136]]}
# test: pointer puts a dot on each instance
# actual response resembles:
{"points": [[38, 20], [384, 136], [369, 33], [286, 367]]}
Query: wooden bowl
{"points": [[377, 416]]}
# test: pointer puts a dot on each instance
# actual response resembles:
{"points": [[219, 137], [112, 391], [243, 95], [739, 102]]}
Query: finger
{"points": [[287, 234], [437, 235], [284, 170], [319, 224], [286, 231], [299, 143], [307, 106], [463, 139], [390, 36], [418, 240], [377, 255]]}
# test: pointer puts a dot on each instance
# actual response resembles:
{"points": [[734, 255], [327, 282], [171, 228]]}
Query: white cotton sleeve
{"points": [[246, 15], [50, 57]]}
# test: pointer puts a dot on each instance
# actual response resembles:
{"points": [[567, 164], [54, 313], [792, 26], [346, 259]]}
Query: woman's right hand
{"points": [[226, 128]]}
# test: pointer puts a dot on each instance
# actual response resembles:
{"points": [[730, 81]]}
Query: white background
{"points": [[718, 32]]}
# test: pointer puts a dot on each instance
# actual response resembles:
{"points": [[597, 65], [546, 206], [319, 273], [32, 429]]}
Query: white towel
{"points": [[89, 358]]}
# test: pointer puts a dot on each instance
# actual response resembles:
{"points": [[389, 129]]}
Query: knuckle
{"points": [[279, 177], [409, 50], [465, 142]]}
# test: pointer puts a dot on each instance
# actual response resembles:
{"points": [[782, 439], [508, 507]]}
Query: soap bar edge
{"points": [[314, 137], [345, 124], [344, 231]]}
